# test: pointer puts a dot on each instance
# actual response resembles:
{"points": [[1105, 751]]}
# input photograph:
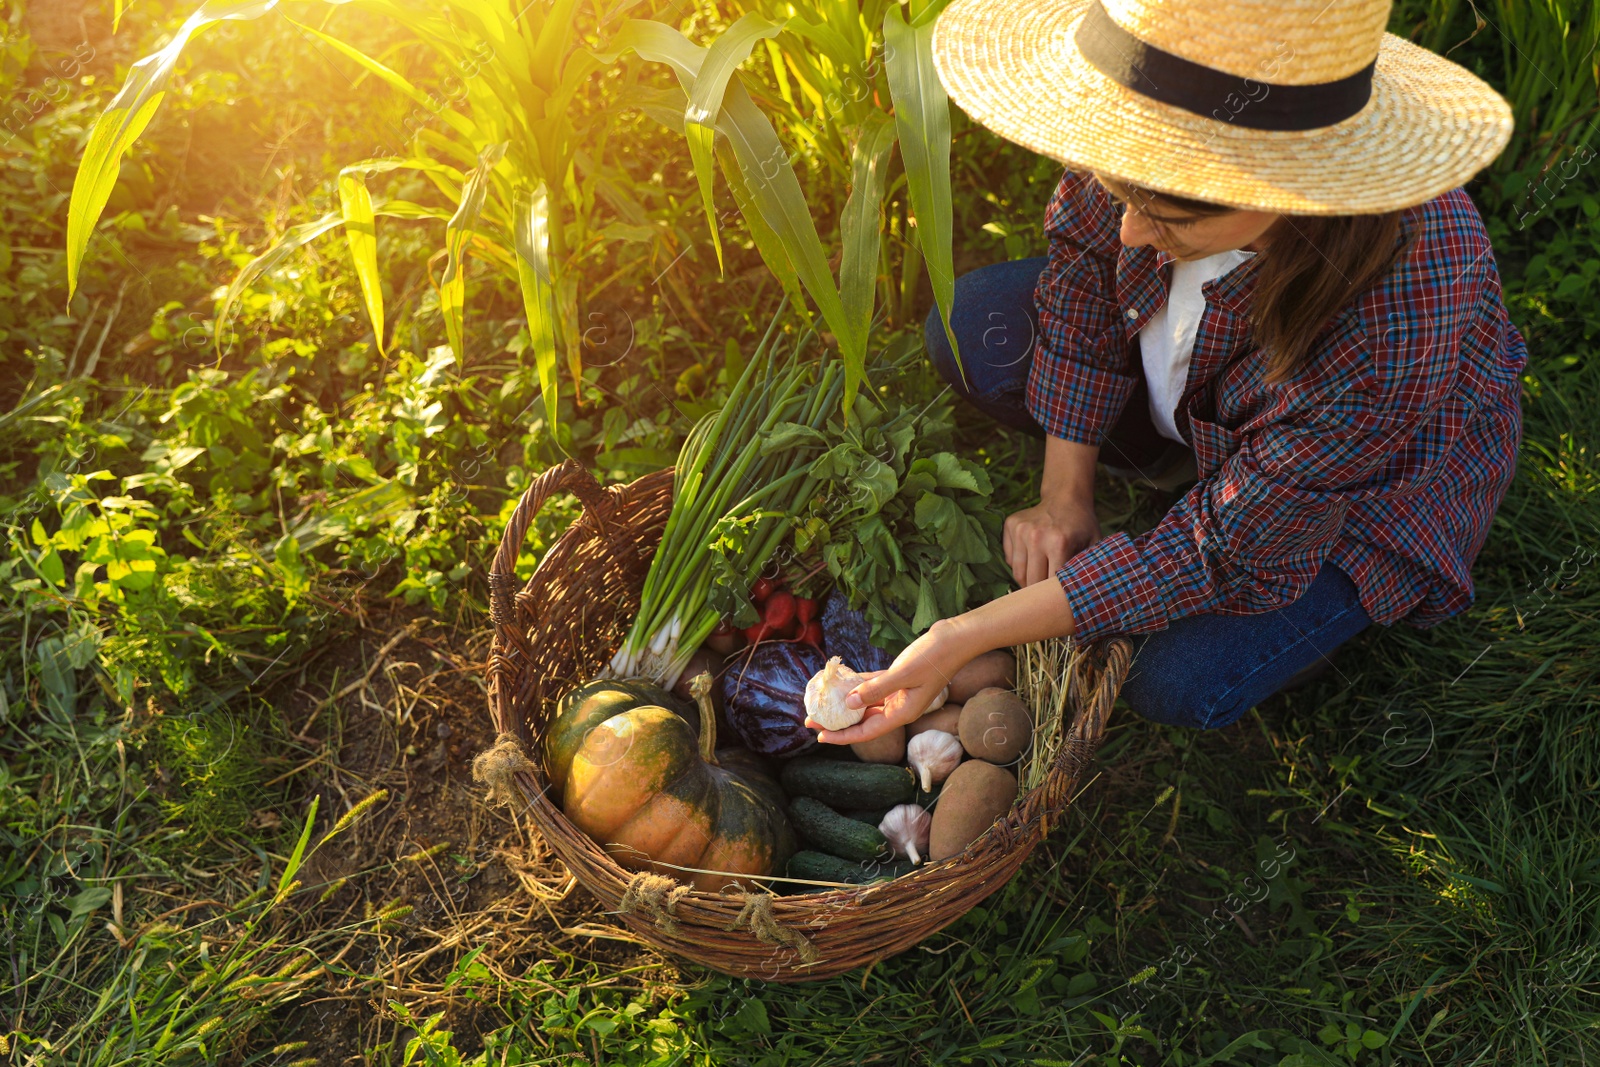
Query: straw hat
{"points": [[1297, 106]]}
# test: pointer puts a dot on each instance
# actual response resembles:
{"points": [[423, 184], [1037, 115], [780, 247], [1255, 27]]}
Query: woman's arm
{"points": [[902, 693], [1083, 372], [1080, 379]]}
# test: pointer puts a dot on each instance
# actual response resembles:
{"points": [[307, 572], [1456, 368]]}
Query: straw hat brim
{"points": [[1428, 127]]}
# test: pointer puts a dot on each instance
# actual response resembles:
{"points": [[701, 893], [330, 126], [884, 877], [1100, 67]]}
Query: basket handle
{"points": [[1107, 668], [569, 476]]}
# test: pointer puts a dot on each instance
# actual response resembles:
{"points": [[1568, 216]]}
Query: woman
{"points": [[1261, 252]]}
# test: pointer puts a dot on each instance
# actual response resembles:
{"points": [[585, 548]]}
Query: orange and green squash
{"points": [[586, 707], [653, 795]]}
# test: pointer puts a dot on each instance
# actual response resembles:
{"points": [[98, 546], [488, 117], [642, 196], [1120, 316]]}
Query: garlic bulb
{"points": [[825, 695], [907, 826], [933, 754]]}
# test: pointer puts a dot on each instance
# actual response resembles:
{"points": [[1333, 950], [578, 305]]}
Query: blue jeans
{"points": [[1203, 671]]}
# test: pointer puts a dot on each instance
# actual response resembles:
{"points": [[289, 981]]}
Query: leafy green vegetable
{"points": [[901, 524]]}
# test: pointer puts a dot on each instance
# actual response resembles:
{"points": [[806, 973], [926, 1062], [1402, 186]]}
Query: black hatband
{"points": [[1259, 105]]}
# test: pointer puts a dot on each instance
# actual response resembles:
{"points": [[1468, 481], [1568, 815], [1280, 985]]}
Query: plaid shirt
{"points": [[1385, 455]]}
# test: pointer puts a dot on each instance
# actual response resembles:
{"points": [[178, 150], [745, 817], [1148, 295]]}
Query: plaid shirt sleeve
{"points": [[1080, 379], [1379, 420]]}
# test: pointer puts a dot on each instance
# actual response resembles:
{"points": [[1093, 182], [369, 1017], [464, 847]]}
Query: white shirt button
{"points": [[1133, 313]]}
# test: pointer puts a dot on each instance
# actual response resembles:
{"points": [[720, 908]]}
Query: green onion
{"points": [[722, 475]]}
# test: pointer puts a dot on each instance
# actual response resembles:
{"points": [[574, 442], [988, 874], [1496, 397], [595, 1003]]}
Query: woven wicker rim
{"points": [[568, 619], [1430, 124]]}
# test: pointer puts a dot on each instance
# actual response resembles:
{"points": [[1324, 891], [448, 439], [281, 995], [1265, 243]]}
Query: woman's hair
{"points": [[1311, 266]]}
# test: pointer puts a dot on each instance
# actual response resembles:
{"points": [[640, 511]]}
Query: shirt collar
{"points": [[1233, 289]]}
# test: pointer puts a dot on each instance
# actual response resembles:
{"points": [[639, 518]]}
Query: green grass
{"points": [[1397, 865]]}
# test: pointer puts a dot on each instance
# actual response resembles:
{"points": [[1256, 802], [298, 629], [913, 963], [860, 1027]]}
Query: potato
{"points": [[725, 644], [992, 670], [974, 796], [947, 718], [996, 726], [890, 748]]}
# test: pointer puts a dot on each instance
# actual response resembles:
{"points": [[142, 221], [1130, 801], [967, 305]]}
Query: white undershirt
{"points": [[1167, 340]]}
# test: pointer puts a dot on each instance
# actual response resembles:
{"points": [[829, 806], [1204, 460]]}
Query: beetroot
{"points": [[765, 692]]}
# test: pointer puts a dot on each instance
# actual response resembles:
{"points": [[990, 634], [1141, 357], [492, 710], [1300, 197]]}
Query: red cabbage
{"points": [[765, 687], [847, 634]]}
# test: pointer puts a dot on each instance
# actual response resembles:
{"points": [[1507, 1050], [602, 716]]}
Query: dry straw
{"points": [[562, 626], [1044, 678]]}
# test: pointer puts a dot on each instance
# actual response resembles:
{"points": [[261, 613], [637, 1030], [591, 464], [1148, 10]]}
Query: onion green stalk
{"points": [[722, 477]]}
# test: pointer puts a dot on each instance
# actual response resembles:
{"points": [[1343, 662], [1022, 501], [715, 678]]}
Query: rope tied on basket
{"points": [[498, 766], [757, 915], [657, 895]]}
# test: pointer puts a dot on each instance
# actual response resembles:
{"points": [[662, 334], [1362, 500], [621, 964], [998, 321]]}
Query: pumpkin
{"points": [[654, 796], [754, 770], [586, 707]]}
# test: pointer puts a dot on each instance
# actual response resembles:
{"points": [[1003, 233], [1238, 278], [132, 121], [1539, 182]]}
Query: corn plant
{"points": [[835, 80], [503, 153], [1547, 48], [855, 77]]}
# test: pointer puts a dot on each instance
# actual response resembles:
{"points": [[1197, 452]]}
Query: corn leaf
{"points": [[405, 209], [454, 177], [505, 79], [295, 238], [658, 43], [299, 236], [774, 205], [858, 226], [361, 231], [776, 196], [452, 118], [453, 288], [361, 224], [552, 43], [462, 152], [538, 295], [126, 117], [667, 106], [705, 102], [767, 243], [116, 15], [922, 113], [832, 43]]}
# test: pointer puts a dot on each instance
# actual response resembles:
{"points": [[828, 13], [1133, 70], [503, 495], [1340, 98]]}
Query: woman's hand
{"points": [[1038, 540], [901, 694]]}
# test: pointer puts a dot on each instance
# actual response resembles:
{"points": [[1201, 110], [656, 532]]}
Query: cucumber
{"points": [[849, 785], [821, 867], [824, 828], [870, 816]]}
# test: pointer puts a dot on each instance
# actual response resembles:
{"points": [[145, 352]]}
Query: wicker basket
{"points": [[565, 624]]}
